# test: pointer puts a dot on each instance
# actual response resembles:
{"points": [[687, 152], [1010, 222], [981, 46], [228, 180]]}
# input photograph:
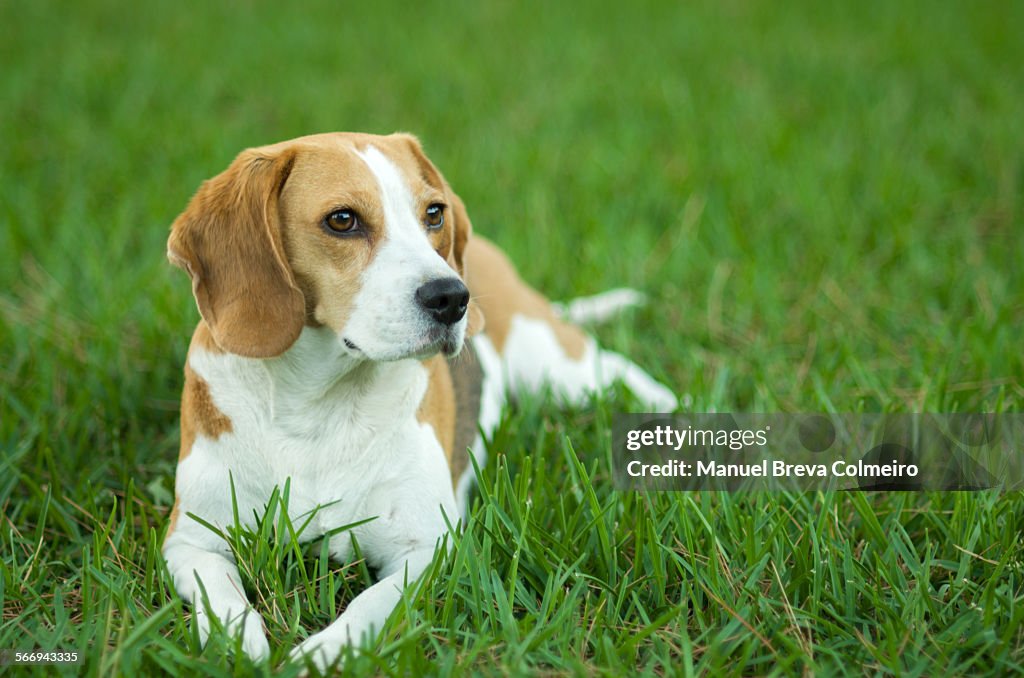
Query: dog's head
{"points": [[354, 232]]}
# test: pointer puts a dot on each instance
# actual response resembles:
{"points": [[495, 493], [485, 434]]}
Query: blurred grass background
{"points": [[822, 199]]}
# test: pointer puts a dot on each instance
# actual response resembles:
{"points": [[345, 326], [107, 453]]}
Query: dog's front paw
{"points": [[323, 649], [254, 641]]}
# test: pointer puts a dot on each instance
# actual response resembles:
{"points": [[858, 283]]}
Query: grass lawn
{"points": [[823, 200]]}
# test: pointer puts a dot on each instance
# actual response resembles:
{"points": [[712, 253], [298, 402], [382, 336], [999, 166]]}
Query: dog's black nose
{"points": [[444, 299]]}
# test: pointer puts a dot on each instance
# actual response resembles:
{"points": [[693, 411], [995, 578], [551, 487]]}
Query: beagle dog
{"points": [[338, 280]]}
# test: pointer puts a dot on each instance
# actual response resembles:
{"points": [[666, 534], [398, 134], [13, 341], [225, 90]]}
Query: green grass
{"points": [[824, 203]]}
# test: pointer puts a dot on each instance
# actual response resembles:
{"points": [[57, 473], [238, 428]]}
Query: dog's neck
{"points": [[318, 371]]}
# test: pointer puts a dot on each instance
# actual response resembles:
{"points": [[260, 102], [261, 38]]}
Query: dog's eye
{"points": [[342, 221], [435, 217]]}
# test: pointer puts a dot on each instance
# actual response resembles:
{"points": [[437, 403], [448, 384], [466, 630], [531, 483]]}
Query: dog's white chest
{"points": [[347, 450]]}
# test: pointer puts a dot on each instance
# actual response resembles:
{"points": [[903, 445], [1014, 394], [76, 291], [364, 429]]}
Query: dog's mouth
{"points": [[444, 340], [439, 339], [436, 340], [451, 348]]}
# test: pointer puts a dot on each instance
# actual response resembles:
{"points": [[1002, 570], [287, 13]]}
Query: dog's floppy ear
{"points": [[229, 240], [462, 232]]}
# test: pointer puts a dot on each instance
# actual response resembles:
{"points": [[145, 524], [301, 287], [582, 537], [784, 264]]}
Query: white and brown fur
{"points": [[315, 363]]}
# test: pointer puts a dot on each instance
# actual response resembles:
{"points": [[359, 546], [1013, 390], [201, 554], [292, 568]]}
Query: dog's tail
{"points": [[599, 307]]}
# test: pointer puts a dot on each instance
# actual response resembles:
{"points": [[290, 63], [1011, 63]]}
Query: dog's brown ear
{"points": [[229, 241], [462, 232]]}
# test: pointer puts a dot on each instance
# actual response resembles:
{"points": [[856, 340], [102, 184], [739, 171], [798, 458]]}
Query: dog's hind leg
{"points": [[599, 307], [537, 347]]}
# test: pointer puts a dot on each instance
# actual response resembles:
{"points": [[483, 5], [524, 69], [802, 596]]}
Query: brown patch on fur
{"points": [[502, 294], [199, 414], [205, 417], [438, 405]]}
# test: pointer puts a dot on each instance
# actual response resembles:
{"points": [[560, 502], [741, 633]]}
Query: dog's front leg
{"points": [[367, 612], [189, 565]]}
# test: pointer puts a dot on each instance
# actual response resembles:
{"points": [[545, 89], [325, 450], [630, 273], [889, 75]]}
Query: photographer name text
{"points": [[768, 468]]}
